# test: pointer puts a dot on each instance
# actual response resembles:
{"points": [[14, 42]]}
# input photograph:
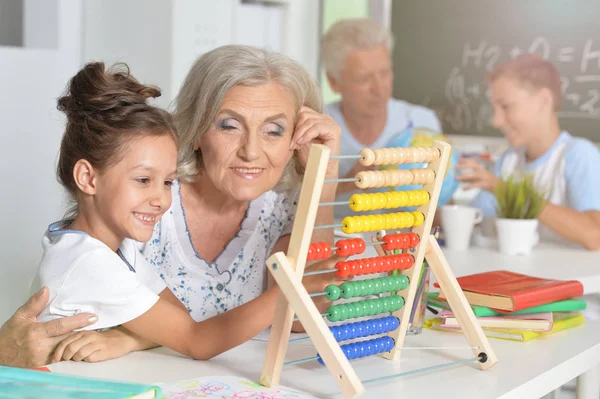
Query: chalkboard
{"points": [[444, 48]]}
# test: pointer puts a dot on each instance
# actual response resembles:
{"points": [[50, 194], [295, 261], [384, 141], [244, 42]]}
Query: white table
{"points": [[525, 370]]}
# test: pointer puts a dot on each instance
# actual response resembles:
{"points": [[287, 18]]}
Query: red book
{"points": [[508, 291]]}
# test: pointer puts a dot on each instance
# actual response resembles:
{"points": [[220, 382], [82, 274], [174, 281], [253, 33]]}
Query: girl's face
{"points": [[247, 147], [133, 194], [519, 112]]}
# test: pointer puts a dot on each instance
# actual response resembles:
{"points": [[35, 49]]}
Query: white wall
{"points": [[40, 29], [30, 82], [137, 32]]}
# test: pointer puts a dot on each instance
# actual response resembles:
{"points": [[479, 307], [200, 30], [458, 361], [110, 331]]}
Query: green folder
{"points": [[567, 305], [25, 384]]}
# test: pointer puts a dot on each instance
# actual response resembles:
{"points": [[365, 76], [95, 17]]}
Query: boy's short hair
{"points": [[533, 72]]}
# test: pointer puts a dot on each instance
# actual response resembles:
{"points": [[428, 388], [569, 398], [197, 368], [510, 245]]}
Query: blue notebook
{"points": [[25, 384]]}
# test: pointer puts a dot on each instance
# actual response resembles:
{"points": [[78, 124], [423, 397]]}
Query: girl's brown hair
{"points": [[105, 108]]}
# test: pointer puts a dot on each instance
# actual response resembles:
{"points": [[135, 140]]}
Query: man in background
{"points": [[356, 54]]}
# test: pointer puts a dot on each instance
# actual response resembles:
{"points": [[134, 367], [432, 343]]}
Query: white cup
{"points": [[457, 224]]}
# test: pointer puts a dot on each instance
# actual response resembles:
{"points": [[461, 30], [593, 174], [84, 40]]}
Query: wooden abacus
{"points": [[401, 288]]}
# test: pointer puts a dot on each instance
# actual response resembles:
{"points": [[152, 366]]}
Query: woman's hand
{"points": [[94, 346], [477, 176], [315, 128]]}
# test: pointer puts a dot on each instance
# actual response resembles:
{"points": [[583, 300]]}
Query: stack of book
{"points": [[514, 306]]}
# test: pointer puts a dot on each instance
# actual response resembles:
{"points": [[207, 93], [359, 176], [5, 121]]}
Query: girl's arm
{"points": [[580, 227], [169, 325]]}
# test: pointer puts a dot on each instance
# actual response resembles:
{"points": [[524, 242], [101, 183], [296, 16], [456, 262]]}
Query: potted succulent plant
{"points": [[519, 205]]}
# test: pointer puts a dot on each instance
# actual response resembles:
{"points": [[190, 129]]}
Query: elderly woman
{"points": [[245, 119], [525, 97]]}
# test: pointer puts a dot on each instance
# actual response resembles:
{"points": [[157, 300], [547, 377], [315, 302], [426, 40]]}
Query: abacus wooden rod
{"points": [[304, 221]]}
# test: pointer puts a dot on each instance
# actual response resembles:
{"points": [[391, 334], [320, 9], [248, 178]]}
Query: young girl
{"points": [[525, 96], [118, 159]]}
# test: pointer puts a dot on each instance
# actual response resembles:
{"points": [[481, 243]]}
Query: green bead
{"points": [[377, 286], [350, 310], [370, 287], [332, 292], [385, 286], [404, 281], [362, 289], [396, 283], [343, 309], [386, 304], [396, 303], [370, 311], [333, 313], [347, 290], [378, 306]]}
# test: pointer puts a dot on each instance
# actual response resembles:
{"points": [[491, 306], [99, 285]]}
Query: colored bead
{"points": [[350, 310], [347, 290], [356, 203], [348, 225], [403, 282], [360, 245], [419, 218], [386, 304], [332, 292], [343, 270], [368, 156], [333, 313], [310, 255]]}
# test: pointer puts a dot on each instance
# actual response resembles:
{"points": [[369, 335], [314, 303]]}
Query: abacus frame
{"points": [[288, 270]]}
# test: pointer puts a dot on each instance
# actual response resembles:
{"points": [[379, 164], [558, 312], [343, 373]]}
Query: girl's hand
{"points": [[477, 175], [316, 128], [94, 346]]}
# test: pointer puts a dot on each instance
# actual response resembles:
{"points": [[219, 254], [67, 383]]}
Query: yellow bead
{"points": [[348, 225], [381, 222], [391, 220], [419, 218], [417, 197], [411, 198], [389, 199], [356, 202], [403, 199], [381, 200], [368, 201], [410, 219]]}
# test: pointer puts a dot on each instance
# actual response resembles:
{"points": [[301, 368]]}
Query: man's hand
{"points": [[26, 343]]}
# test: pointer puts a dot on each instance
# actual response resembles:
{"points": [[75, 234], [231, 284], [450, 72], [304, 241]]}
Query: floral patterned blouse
{"points": [[238, 274]]}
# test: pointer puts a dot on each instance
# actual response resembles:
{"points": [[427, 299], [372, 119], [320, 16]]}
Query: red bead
{"points": [[389, 266], [389, 241], [360, 245], [414, 239], [360, 267], [326, 250], [366, 266], [311, 253], [353, 266], [343, 248], [404, 241], [318, 250], [410, 260], [352, 246], [395, 262], [343, 270]]}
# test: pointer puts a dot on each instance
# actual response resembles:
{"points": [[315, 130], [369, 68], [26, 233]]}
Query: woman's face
{"points": [[519, 112], [247, 147]]}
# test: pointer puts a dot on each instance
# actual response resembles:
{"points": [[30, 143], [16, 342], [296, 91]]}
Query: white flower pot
{"points": [[517, 236]]}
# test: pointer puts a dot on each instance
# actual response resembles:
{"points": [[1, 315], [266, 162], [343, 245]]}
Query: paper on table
{"points": [[227, 387]]}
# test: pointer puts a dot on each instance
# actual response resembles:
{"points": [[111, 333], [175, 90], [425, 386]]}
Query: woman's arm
{"points": [[580, 227]]}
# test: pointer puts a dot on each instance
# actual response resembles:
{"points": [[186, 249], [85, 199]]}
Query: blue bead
{"points": [[358, 328], [386, 323], [337, 333], [362, 352], [347, 352], [320, 360], [367, 328], [395, 322], [346, 333], [355, 351], [388, 344], [353, 332], [380, 326], [369, 349], [376, 346]]}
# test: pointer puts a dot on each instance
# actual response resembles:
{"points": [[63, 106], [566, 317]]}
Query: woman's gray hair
{"points": [[348, 35], [213, 75]]}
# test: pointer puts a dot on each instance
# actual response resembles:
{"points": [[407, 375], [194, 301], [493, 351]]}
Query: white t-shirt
{"points": [[84, 275], [238, 274], [400, 115]]}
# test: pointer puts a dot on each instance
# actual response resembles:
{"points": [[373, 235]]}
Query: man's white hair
{"points": [[348, 35]]}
